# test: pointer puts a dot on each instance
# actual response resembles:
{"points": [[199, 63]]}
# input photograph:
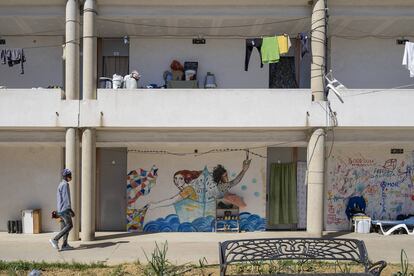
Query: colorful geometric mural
{"points": [[384, 181], [194, 201], [139, 183]]}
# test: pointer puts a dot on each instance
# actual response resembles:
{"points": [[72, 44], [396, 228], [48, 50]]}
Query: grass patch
{"points": [[25, 266]]}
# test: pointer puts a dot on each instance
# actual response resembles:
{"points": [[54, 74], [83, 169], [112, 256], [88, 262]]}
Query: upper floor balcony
{"points": [[147, 36], [199, 108]]}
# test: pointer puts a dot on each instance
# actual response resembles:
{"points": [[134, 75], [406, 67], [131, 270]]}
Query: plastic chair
{"points": [[334, 85]]}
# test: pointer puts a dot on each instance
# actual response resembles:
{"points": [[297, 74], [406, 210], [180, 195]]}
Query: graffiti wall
{"points": [[172, 193], [384, 180]]}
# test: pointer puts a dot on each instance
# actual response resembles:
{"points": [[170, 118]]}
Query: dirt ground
{"points": [[136, 269]]}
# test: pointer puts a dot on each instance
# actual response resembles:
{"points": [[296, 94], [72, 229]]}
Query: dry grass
{"points": [[138, 269]]}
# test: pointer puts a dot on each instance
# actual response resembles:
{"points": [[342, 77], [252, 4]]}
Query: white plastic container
{"points": [[190, 74], [117, 81], [31, 221], [363, 226], [130, 83]]}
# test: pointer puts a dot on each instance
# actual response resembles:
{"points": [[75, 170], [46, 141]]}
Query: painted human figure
{"points": [[186, 182], [220, 176], [182, 180]]}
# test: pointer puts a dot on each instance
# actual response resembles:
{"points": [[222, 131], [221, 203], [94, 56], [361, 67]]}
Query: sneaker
{"points": [[54, 243], [66, 247]]}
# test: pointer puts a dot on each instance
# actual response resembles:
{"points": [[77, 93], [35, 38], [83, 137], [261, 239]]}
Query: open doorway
{"points": [[113, 57], [286, 189]]}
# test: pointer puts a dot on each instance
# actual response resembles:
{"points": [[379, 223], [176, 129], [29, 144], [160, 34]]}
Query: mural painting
{"points": [[193, 198], [384, 181], [139, 183]]}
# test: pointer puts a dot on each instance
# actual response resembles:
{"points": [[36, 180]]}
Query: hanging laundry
{"points": [[284, 43], [408, 59], [250, 44], [13, 57], [304, 41], [270, 50]]}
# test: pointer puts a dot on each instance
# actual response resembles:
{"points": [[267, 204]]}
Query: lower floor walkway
{"points": [[118, 247]]}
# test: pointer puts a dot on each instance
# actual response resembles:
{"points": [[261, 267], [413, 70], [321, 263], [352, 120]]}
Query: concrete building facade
{"points": [[145, 159]]}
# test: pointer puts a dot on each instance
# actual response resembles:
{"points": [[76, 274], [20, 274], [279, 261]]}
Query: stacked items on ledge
{"points": [[182, 76], [129, 81], [185, 76], [228, 213]]}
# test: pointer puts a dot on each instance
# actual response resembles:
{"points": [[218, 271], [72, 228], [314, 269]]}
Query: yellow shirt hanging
{"points": [[284, 43]]}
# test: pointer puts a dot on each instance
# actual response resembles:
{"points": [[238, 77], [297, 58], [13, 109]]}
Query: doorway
{"points": [[286, 171], [111, 189], [113, 57]]}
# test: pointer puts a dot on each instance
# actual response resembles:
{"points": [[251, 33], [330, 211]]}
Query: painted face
{"points": [[179, 181], [224, 178]]}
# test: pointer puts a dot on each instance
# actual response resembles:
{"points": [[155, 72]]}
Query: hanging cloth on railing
{"points": [[304, 43], [270, 50], [13, 57], [408, 59], [250, 44], [284, 43]]}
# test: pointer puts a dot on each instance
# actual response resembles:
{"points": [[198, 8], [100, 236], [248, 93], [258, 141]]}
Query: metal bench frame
{"points": [[253, 250]]}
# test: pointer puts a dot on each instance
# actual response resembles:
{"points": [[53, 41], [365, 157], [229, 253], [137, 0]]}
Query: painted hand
{"points": [[246, 164]]}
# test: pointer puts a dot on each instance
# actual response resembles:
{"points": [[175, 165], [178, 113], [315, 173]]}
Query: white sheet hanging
{"points": [[408, 59]]}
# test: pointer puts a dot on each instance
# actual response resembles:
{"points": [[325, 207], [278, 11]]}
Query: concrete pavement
{"points": [[115, 248]]}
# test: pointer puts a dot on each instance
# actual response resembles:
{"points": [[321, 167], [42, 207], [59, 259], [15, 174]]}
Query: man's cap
{"points": [[66, 172]]}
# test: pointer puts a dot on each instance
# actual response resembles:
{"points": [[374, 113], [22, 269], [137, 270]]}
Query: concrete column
{"points": [[72, 163], [316, 146], [89, 50], [72, 146], [72, 50], [88, 185], [316, 173], [318, 41], [88, 136]]}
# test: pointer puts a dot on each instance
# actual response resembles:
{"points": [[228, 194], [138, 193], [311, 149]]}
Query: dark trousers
{"points": [[65, 227], [250, 44]]}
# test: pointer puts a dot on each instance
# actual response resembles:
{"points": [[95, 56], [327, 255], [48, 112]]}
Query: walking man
{"points": [[64, 211]]}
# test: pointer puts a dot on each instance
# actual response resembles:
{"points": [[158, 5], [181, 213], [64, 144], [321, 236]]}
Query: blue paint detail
{"points": [[171, 223], [256, 194], [186, 227], [244, 187], [204, 224], [251, 222]]}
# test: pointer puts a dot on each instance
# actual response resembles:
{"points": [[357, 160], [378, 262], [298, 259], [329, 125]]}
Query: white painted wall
{"points": [[43, 66], [197, 108], [369, 171], [254, 192], [37, 108], [29, 177], [368, 63], [223, 57], [374, 108]]}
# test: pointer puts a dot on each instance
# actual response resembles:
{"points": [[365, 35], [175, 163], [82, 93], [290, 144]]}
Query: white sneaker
{"points": [[54, 243]]}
